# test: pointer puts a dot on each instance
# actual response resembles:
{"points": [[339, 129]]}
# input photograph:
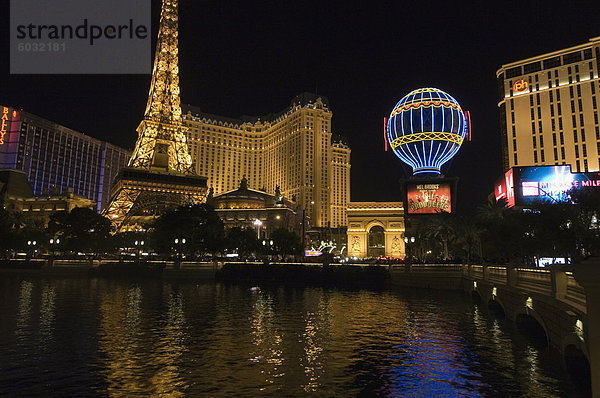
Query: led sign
{"points": [[543, 183], [428, 198], [520, 86]]}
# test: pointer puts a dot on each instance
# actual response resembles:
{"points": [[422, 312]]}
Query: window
{"points": [[513, 72], [572, 58], [552, 62]]}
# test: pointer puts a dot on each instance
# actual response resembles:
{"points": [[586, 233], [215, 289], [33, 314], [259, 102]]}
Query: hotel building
{"points": [[549, 109], [293, 149], [57, 159]]}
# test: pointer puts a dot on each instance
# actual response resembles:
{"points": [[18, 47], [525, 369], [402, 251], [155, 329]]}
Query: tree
{"points": [[81, 229], [7, 233], [286, 242], [199, 225], [241, 240]]}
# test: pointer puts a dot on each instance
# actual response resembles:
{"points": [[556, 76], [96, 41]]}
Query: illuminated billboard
{"points": [[428, 197], [504, 188], [542, 184]]}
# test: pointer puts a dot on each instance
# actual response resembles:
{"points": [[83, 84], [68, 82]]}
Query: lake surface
{"points": [[102, 337]]}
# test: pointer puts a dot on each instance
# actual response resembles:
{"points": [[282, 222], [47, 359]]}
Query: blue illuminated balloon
{"points": [[426, 129]]}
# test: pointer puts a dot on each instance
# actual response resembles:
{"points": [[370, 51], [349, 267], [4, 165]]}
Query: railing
{"points": [[497, 274], [575, 292], [437, 268], [477, 271], [537, 280], [555, 282]]}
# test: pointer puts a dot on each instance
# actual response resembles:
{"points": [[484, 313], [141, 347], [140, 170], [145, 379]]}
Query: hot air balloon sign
{"points": [[426, 129]]}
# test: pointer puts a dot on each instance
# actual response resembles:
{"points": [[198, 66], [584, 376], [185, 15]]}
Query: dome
{"points": [[426, 129]]}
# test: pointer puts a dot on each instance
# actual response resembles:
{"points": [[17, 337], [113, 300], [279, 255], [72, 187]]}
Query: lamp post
{"points": [[408, 246], [181, 242], [139, 247], [257, 223], [31, 248], [53, 246]]}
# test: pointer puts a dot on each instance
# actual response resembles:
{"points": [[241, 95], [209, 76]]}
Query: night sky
{"points": [[252, 57]]}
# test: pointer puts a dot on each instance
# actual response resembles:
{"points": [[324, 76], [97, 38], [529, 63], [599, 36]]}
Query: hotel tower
{"points": [[549, 109], [294, 149]]}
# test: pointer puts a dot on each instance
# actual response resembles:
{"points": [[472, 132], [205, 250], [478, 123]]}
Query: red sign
{"points": [[4, 124], [520, 86], [428, 198], [505, 189]]}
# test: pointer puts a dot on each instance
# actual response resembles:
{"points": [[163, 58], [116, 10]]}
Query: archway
{"points": [[578, 367], [376, 246], [532, 328], [496, 308]]}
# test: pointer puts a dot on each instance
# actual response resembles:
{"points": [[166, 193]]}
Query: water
{"points": [[100, 337]]}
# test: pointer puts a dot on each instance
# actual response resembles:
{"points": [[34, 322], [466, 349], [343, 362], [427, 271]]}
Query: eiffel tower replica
{"points": [[160, 174]]}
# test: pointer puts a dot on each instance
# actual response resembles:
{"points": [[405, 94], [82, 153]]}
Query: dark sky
{"points": [[253, 57]]}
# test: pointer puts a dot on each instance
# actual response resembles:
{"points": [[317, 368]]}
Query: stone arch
{"points": [[373, 223], [531, 313], [577, 364], [376, 241], [574, 341], [496, 305]]}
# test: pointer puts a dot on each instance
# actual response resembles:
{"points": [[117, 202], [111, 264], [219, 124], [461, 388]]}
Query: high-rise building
{"points": [[549, 109], [56, 158], [292, 149]]}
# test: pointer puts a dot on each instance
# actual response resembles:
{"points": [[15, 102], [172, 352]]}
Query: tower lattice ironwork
{"points": [[161, 144], [160, 174]]}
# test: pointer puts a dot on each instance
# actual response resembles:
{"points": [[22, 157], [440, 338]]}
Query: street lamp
{"points": [[177, 242], [31, 244], [257, 223], [139, 243]]}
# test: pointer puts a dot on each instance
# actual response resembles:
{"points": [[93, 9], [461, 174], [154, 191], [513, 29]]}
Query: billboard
{"points": [[504, 188], [428, 197], [542, 184]]}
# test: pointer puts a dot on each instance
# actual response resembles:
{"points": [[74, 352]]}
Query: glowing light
{"points": [[4, 124], [426, 129], [520, 85]]}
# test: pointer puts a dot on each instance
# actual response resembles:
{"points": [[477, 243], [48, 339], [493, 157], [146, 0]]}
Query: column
{"points": [[587, 275]]}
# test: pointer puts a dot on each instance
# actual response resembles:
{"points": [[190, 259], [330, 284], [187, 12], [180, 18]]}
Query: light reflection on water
{"points": [[119, 338]]}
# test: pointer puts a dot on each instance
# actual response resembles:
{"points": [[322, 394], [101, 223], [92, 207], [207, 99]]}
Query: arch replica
{"points": [[365, 221]]}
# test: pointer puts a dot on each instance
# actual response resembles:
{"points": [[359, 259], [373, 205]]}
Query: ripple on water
{"points": [[78, 337]]}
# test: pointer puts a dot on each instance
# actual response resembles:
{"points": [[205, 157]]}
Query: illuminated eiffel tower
{"points": [[160, 174]]}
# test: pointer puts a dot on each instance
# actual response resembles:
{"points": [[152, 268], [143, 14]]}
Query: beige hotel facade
{"points": [[294, 149], [549, 109]]}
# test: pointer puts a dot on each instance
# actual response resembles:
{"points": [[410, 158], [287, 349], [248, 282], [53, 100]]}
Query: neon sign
{"points": [[520, 85], [4, 125], [426, 129]]}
